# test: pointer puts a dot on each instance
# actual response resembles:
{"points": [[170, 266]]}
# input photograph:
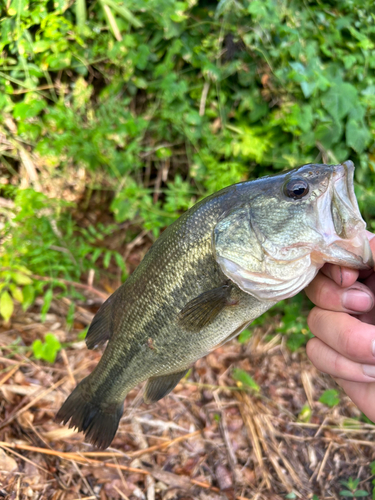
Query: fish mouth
{"points": [[342, 226]]}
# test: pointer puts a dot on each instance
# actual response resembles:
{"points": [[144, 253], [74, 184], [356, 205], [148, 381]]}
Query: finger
{"points": [[343, 276], [326, 294], [362, 395], [369, 272], [344, 334], [330, 361]]}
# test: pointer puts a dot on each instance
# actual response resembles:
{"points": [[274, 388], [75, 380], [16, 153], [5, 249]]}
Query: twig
{"points": [[122, 495], [67, 365], [82, 477], [88, 461], [161, 446], [28, 166], [40, 396], [202, 104], [9, 374], [248, 419], [9, 361], [324, 461], [73, 283], [142, 443], [224, 429], [25, 459], [86, 455], [24, 408]]}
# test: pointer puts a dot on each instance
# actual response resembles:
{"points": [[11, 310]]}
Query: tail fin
{"points": [[98, 421]]}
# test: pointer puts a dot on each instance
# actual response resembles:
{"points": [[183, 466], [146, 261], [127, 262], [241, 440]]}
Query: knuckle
{"points": [[316, 318], [349, 343], [338, 365], [312, 348]]}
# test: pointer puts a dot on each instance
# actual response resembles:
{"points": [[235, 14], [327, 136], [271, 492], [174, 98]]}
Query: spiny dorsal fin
{"points": [[101, 327], [158, 387], [202, 310]]}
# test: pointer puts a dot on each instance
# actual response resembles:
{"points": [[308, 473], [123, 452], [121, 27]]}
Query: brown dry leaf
{"points": [[25, 419], [223, 477], [7, 463], [169, 478], [26, 390]]}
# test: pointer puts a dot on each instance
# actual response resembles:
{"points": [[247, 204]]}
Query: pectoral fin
{"points": [[158, 387], [202, 310]]}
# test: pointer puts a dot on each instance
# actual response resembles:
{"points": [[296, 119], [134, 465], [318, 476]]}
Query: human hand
{"points": [[343, 325]]}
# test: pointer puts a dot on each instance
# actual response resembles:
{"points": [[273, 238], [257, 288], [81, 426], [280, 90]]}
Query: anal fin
{"points": [[158, 387], [202, 310]]}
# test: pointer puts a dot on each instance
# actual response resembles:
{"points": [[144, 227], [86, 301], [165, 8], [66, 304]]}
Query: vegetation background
{"points": [[117, 116], [144, 107]]}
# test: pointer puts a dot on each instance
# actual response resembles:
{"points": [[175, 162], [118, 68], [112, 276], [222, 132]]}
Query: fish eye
{"points": [[296, 189]]}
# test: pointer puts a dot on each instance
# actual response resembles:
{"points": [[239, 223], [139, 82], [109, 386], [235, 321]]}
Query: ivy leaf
{"points": [[6, 306], [339, 100], [357, 135], [48, 349], [328, 133], [330, 398]]}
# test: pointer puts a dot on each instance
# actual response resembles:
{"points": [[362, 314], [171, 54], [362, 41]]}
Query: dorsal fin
{"points": [[202, 310], [101, 327], [158, 387]]}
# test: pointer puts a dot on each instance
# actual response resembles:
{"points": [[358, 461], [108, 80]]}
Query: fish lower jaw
{"points": [[264, 286], [355, 253]]}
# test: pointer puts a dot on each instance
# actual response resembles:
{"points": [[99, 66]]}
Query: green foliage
{"points": [[244, 336], [294, 321], [366, 419], [352, 491], [293, 324], [41, 239], [48, 349], [330, 397], [16, 285], [244, 87], [243, 378], [162, 110]]}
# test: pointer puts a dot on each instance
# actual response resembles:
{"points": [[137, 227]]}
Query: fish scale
{"points": [[200, 285]]}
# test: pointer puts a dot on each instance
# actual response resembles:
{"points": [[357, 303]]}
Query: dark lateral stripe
{"points": [[158, 323]]}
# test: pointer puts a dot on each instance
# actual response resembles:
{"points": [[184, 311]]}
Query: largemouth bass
{"points": [[210, 274]]}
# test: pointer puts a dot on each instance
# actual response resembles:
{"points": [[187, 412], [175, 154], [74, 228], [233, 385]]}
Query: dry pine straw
{"points": [[208, 440]]}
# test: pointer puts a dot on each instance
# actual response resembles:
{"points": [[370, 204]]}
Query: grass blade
{"points": [[81, 13], [112, 21], [124, 13]]}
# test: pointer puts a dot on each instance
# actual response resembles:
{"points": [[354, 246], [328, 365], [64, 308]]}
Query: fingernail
{"points": [[357, 300], [369, 370], [373, 347]]}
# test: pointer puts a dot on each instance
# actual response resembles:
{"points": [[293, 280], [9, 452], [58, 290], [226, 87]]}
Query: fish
{"points": [[213, 271]]}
